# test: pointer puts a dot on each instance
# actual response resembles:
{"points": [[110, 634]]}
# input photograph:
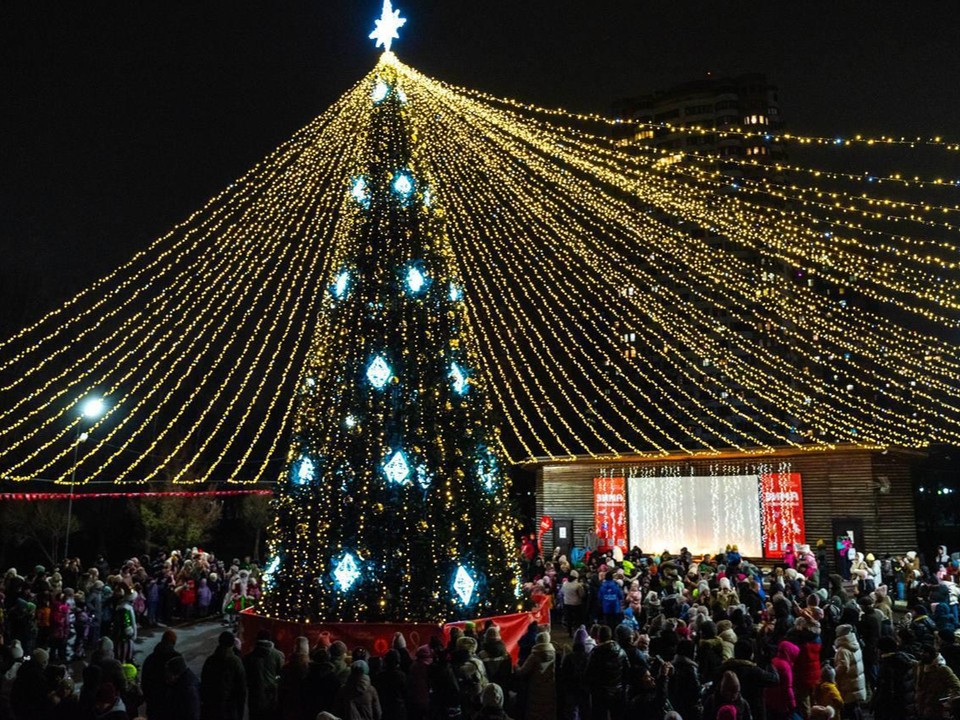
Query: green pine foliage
{"points": [[410, 535]]}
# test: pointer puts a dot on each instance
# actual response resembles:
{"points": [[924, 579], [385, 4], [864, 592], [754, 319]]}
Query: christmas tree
{"points": [[395, 506]]}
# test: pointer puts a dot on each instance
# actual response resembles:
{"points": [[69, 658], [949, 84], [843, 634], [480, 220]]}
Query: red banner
{"points": [[610, 512], [378, 637], [781, 497]]}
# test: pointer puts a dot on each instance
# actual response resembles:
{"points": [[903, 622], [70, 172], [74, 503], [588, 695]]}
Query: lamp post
{"points": [[91, 409]]}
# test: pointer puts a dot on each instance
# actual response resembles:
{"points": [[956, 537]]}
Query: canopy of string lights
{"points": [[625, 298]]}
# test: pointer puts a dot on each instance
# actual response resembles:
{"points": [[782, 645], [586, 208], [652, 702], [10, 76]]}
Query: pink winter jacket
{"points": [[781, 698]]}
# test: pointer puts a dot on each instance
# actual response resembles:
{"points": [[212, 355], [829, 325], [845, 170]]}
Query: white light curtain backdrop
{"points": [[701, 513]]}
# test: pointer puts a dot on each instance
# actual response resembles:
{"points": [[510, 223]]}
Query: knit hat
{"points": [[492, 696], [169, 637], [543, 638], [724, 625], [573, 576], [828, 674], [129, 672], [360, 666], [870, 558], [337, 649], [822, 592], [41, 656], [424, 654], [16, 650], [467, 643], [844, 630], [729, 684], [790, 573], [727, 712], [301, 646]]}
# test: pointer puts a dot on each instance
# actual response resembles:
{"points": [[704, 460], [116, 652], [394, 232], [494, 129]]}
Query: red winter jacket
{"points": [[781, 698], [806, 669], [59, 620]]}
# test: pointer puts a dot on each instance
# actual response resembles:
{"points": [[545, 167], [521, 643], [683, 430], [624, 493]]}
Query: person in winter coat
{"points": [[753, 679], [526, 643], [223, 685], [827, 694], [728, 637], [684, 683], [296, 695], [709, 652], [573, 669], [806, 671], [636, 659], [358, 699], [181, 694], [204, 598], [574, 601], [262, 667], [649, 699], [110, 668], [780, 700], [59, 629], [934, 681], [418, 684], [869, 629], [922, 625], [108, 704], [496, 660], [188, 599], [30, 693], [154, 673], [725, 702], [610, 597], [391, 685], [894, 694], [540, 674], [848, 661], [492, 703], [607, 670], [471, 674], [943, 617]]}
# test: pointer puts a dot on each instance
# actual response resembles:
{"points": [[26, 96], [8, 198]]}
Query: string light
{"points": [[200, 342]]}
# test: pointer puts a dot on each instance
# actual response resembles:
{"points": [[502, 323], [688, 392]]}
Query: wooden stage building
{"points": [[866, 493]]}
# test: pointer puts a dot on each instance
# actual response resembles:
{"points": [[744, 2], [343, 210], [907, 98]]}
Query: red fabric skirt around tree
{"points": [[378, 637]]}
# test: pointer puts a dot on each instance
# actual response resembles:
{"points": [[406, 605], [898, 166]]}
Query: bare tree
{"points": [[42, 522], [257, 512]]}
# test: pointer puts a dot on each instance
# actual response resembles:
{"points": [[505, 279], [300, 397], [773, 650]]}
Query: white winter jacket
{"points": [[849, 663]]}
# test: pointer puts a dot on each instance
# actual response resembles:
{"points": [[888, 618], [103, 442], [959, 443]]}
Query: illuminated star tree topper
{"points": [[386, 28]]}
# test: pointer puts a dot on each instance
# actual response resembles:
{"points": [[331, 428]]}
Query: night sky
{"points": [[119, 118]]}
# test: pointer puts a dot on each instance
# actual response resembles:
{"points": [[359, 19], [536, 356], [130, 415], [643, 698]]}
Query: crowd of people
{"points": [[635, 637], [68, 619]]}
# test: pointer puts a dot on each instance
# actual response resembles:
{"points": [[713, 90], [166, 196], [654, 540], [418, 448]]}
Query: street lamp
{"points": [[90, 409]]}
